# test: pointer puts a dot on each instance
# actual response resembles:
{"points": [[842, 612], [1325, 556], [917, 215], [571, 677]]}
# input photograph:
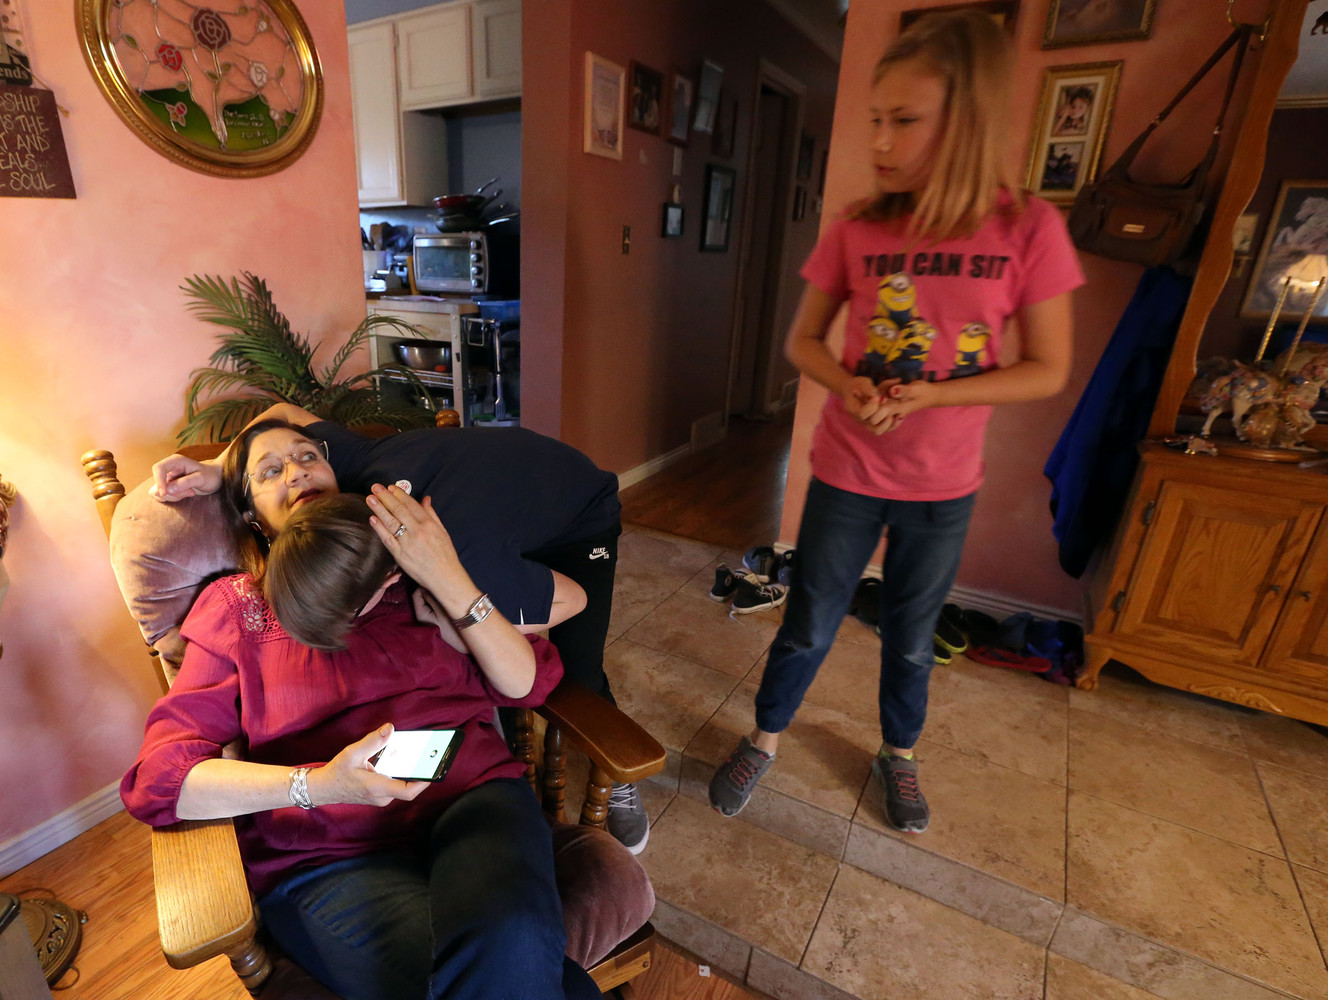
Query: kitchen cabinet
{"points": [[1220, 583], [496, 48], [440, 320], [400, 158], [404, 66], [434, 57]]}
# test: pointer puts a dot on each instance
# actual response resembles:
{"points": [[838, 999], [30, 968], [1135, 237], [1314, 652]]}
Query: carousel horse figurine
{"points": [[1241, 389]]}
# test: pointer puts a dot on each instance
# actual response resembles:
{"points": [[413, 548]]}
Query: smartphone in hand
{"points": [[418, 754]]}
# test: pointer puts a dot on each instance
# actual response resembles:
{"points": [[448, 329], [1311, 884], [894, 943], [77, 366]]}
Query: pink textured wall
{"points": [[644, 337], [96, 348], [1011, 551]]}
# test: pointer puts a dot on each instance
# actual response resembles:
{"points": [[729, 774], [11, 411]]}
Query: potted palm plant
{"points": [[263, 360]]}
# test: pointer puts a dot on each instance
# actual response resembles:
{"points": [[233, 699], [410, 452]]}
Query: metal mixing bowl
{"points": [[426, 355]]}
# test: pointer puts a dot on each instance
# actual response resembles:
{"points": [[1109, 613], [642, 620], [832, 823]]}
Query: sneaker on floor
{"points": [[905, 807], [942, 655], [726, 582], [627, 819], [763, 561], [950, 631], [754, 595], [784, 572], [736, 778]]}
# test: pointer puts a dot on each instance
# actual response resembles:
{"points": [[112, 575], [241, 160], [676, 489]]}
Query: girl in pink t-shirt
{"points": [[935, 266]]}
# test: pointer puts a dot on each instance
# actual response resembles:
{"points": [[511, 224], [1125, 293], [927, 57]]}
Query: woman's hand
{"points": [[422, 547], [176, 477], [348, 779]]}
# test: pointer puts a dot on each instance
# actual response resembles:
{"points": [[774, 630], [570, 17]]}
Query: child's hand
{"points": [[861, 398], [899, 400]]}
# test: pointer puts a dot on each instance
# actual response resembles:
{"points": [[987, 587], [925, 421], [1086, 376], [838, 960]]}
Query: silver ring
{"points": [[399, 532]]}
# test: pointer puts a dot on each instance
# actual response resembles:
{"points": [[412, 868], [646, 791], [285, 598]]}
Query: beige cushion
{"points": [[163, 554]]}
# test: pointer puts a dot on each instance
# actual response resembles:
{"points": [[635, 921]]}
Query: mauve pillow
{"points": [[163, 554], [607, 896]]}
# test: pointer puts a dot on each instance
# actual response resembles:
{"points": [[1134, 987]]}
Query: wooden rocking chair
{"points": [[204, 908]]}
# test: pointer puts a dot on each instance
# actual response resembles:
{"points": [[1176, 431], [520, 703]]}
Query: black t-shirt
{"points": [[501, 492]]}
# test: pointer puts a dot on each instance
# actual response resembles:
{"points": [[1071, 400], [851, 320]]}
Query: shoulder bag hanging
{"points": [[1151, 224]]}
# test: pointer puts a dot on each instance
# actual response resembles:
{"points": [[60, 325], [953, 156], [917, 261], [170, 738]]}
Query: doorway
{"points": [[776, 125]]}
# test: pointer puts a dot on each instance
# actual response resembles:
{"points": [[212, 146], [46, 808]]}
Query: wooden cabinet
{"points": [[433, 57], [496, 48], [400, 158], [1220, 585], [404, 66], [1217, 580]]}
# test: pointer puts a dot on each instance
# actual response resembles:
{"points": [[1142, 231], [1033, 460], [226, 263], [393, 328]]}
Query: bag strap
{"points": [[1241, 35]]}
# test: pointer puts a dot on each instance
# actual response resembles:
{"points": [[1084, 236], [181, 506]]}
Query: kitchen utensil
{"points": [[376, 236], [511, 217], [425, 355], [459, 202], [486, 185]]}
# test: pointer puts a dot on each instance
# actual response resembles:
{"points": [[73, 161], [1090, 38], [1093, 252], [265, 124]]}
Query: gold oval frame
{"points": [[98, 49]]}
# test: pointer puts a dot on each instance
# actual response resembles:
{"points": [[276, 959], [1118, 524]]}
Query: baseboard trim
{"points": [[59, 829], [647, 469], [708, 430]]}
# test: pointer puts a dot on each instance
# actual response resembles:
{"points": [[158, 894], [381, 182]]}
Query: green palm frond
{"points": [[223, 419], [260, 360]]}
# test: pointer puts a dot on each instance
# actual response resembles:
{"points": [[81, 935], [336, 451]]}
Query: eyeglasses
{"points": [[272, 466]]}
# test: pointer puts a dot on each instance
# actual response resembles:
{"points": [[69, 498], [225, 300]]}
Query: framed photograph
{"points": [[238, 95], [606, 88], [726, 128], [707, 97], [1088, 22], [1242, 234], [680, 108], [799, 203], [806, 150], [645, 110], [1003, 12], [1297, 231], [1070, 129], [718, 218], [672, 224]]}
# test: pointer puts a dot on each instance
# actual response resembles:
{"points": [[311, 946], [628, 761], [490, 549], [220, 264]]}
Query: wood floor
{"points": [[107, 874], [731, 494]]}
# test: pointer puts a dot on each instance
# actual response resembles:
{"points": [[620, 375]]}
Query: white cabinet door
{"points": [[433, 57], [375, 113], [497, 48]]}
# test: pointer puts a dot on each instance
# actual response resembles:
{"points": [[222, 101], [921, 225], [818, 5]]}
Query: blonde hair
{"points": [[969, 52]]}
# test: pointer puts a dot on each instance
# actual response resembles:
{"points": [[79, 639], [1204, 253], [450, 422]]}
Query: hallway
{"points": [[729, 495]]}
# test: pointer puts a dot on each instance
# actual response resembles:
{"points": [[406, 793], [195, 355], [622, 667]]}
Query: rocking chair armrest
{"points": [[625, 751], [203, 904]]}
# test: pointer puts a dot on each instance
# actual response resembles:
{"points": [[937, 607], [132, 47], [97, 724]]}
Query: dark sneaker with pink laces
{"points": [[736, 778], [905, 807]]}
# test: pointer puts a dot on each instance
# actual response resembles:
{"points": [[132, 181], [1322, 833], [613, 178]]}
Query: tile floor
{"points": [[1123, 844]]}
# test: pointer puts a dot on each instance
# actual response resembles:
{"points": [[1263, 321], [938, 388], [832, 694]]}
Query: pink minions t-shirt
{"points": [[935, 312]]}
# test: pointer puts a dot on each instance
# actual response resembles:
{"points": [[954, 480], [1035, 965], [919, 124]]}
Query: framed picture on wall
{"points": [[718, 208], [707, 97], [1070, 128], [1088, 22], [606, 86], [680, 108], [672, 222], [726, 127], [645, 109], [1295, 247], [1003, 12]]}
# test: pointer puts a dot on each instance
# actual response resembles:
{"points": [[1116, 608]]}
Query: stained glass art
{"points": [[230, 87]]}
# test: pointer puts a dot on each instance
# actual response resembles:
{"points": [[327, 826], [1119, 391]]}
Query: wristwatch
{"points": [[479, 610]]}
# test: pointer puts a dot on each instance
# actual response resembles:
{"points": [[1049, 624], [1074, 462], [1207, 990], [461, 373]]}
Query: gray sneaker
{"points": [[736, 778], [905, 807], [627, 820]]}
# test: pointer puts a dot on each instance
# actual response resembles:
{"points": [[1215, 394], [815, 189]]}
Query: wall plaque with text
{"points": [[33, 161]]}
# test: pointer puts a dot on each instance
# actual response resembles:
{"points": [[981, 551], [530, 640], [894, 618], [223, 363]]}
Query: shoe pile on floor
{"points": [[1054, 650], [762, 583]]}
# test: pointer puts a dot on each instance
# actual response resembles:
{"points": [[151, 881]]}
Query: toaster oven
{"points": [[452, 262]]}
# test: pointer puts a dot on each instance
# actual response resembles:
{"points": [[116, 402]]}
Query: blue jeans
{"points": [[478, 918], [838, 534]]}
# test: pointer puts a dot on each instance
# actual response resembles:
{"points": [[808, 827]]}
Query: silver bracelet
{"points": [[299, 788], [479, 610]]}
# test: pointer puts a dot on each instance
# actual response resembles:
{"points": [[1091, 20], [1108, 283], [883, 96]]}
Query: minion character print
{"points": [[898, 339], [971, 355]]}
